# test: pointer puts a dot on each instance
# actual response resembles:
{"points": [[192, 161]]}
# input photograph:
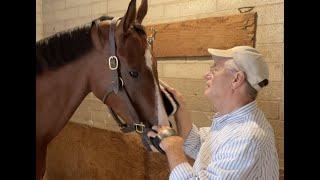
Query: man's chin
{"points": [[206, 93]]}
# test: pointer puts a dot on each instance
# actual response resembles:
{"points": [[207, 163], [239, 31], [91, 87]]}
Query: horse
{"points": [[109, 57]]}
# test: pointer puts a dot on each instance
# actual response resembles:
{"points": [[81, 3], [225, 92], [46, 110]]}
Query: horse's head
{"points": [[138, 98]]}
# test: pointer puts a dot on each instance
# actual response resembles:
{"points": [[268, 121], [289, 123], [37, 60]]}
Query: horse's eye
{"points": [[134, 74]]}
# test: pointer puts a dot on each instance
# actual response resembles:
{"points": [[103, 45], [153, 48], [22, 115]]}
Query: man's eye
{"points": [[214, 70]]}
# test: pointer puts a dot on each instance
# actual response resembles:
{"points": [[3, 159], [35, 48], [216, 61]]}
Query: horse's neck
{"points": [[59, 93]]}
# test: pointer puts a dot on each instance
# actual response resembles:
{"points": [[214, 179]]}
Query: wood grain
{"points": [[194, 37]]}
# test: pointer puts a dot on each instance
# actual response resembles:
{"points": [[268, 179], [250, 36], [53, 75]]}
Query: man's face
{"points": [[218, 82]]}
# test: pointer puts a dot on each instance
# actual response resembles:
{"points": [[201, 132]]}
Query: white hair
{"points": [[231, 65]]}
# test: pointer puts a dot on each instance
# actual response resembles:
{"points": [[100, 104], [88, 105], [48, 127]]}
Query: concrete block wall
{"points": [[183, 73], [39, 20]]}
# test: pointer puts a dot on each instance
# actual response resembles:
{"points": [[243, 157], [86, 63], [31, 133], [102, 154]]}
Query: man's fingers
{"points": [[174, 92], [151, 134], [165, 85], [169, 88]]}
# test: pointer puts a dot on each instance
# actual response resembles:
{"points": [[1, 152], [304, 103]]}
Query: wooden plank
{"points": [[193, 37]]}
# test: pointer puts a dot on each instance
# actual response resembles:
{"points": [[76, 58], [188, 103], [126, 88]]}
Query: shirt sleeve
{"points": [[181, 171], [234, 160], [194, 140]]}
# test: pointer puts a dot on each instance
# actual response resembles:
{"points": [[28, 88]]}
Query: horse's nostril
{"points": [[134, 74]]}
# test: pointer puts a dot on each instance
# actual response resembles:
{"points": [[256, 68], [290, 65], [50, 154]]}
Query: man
{"points": [[240, 142]]}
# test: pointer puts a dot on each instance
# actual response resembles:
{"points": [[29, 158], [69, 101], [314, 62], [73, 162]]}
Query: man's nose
{"points": [[208, 75]]}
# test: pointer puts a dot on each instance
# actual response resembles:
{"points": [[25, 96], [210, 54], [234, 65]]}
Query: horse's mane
{"points": [[64, 47]]}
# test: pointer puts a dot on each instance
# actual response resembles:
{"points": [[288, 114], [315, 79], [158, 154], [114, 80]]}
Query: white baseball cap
{"points": [[248, 60]]}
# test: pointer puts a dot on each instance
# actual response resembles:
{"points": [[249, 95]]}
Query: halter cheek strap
{"points": [[113, 61]]}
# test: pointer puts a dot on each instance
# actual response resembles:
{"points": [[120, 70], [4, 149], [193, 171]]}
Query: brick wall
{"points": [[39, 20], [183, 73]]}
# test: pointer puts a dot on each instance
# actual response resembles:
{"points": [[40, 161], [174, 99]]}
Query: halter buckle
{"points": [[113, 62], [139, 127]]}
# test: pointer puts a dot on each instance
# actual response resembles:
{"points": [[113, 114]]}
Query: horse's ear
{"points": [[142, 11], [129, 17]]}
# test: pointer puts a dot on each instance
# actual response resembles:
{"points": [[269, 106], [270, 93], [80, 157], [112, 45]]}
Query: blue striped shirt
{"points": [[239, 145]]}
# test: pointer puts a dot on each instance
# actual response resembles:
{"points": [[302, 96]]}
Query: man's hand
{"points": [[177, 95], [182, 116], [171, 143], [173, 146]]}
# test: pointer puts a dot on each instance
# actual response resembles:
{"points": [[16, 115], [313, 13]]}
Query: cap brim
{"points": [[220, 53]]}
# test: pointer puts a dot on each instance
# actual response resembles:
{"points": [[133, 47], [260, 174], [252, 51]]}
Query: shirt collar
{"points": [[218, 118]]}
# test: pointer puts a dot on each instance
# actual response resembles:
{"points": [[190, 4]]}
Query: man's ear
{"points": [[238, 79]]}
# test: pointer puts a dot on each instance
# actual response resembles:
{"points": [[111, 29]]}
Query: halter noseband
{"points": [[113, 65]]}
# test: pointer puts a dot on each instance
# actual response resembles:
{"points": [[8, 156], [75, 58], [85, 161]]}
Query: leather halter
{"points": [[113, 65], [139, 127]]}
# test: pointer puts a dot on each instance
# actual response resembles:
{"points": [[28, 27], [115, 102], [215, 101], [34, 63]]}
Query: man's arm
{"points": [[186, 129], [173, 146], [234, 160]]}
